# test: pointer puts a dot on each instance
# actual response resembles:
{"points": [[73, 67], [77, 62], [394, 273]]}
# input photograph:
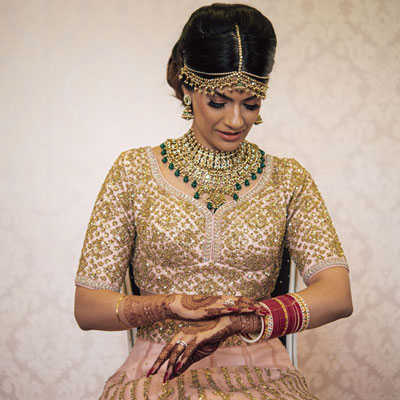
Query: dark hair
{"points": [[208, 43]]}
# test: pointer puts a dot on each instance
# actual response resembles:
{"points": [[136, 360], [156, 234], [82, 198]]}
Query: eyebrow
{"points": [[229, 98]]}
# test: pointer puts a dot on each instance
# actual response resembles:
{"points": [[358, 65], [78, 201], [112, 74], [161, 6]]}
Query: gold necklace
{"points": [[216, 174]]}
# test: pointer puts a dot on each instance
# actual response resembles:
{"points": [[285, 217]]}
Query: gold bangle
{"points": [[304, 309], [286, 316], [117, 311]]}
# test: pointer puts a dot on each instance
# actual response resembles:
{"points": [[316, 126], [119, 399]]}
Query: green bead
{"points": [[262, 159], [196, 195], [177, 172], [164, 160], [235, 197], [238, 186], [262, 152], [194, 184], [259, 170], [162, 145], [246, 182], [262, 165], [253, 176], [163, 152], [209, 206], [186, 179], [171, 166]]}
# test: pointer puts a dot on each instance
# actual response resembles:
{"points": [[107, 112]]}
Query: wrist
{"points": [[246, 323]]}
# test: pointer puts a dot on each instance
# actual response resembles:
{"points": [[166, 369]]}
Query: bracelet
{"points": [[252, 338], [285, 314], [117, 312]]}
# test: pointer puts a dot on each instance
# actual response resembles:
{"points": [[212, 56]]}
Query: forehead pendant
{"points": [[240, 80]]}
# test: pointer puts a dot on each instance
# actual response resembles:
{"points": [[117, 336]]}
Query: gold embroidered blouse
{"points": [[177, 245]]}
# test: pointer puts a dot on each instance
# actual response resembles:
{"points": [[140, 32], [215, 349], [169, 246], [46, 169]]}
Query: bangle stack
{"points": [[284, 315]]}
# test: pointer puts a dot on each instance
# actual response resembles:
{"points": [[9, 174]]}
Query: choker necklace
{"points": [[215, 174]]}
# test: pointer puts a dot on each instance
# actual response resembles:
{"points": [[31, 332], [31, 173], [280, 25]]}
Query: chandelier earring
{"points": [[187, 111], [259, 120]]}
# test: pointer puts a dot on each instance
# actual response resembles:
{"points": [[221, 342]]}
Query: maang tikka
{"points": [[187, 111], [240, 79]]}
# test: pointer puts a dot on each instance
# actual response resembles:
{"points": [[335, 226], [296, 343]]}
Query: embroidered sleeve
{"points": [[109, 240], [310, 235]]}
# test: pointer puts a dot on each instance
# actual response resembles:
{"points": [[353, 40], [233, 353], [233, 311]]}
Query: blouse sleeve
{"points": [[109, 240], [310, 235]]}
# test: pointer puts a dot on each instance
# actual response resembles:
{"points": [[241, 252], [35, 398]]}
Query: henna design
{"points": [[196, 302], [200, 327], [145, 310]]}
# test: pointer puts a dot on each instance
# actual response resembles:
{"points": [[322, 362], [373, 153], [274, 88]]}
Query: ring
{"points": [[182, 343], [229, 302]]}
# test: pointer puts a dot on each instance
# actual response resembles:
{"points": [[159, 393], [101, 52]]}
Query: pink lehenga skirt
{"points": [[258, 371]]}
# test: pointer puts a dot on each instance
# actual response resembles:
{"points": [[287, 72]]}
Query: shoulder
{"points": [[133, 164], [289, 170]]}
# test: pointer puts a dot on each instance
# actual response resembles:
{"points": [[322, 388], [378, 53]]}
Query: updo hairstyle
{"points": [[209, 43]]}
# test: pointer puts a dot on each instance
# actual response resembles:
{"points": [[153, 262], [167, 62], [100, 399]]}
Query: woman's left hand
{"points": [[201, 339]]}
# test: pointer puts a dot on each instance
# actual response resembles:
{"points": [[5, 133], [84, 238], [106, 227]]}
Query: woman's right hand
{"points": [[145, 310]]}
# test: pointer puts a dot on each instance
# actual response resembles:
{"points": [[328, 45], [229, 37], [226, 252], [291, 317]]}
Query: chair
{"points": [[285, 283]]}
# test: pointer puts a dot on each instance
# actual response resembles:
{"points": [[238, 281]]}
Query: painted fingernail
{"points": [[166, 376], [178, 366], [150, 372], [253, 308]]}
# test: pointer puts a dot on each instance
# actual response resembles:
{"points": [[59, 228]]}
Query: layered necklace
{"points": [[213, 174]]}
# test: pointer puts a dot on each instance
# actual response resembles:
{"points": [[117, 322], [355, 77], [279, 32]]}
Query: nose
{"points": [[233, 118]]}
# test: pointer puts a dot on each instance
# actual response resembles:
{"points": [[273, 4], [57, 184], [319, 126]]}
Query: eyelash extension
{"points": [[251, 107], [216, 105]]}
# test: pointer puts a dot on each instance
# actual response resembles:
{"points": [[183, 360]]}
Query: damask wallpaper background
{"points": [[82, 81]]}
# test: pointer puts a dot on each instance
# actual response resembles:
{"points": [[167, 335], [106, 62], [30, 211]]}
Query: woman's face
{"points": [[222, 121]]}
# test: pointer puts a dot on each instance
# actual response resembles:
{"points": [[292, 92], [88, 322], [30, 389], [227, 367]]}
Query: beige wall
{"points": [[83, 80]]}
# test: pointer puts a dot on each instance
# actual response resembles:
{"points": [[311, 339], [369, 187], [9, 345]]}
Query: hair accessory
{"points": [[216, 174], [182, 343], [259, 120], [187, 111], [235, 80], [117, 311]]}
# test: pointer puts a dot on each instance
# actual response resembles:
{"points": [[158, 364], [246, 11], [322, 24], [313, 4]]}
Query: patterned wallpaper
{"points": [[83, 80]]}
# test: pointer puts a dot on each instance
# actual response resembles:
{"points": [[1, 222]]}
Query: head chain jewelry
{"points": [[235, 80]]}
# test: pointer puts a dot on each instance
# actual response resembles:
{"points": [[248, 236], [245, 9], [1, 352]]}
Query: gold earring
{"points": [[187, 111], [259, 120]]}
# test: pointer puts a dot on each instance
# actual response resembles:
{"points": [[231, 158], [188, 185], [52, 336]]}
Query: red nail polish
{"points": [[150, 372], [178, 366], [166, 376], [253, 308]]}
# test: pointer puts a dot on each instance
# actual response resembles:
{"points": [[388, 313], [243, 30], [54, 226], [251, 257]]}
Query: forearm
{"points": [[328, 297], [96, 309]]}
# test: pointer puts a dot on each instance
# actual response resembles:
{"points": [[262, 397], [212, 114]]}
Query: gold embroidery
{"points": [[175, 243], [133, 390], [166, 391], [242, 386], [217, 390], [181, 388], [146, 385], [196, 384]]}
